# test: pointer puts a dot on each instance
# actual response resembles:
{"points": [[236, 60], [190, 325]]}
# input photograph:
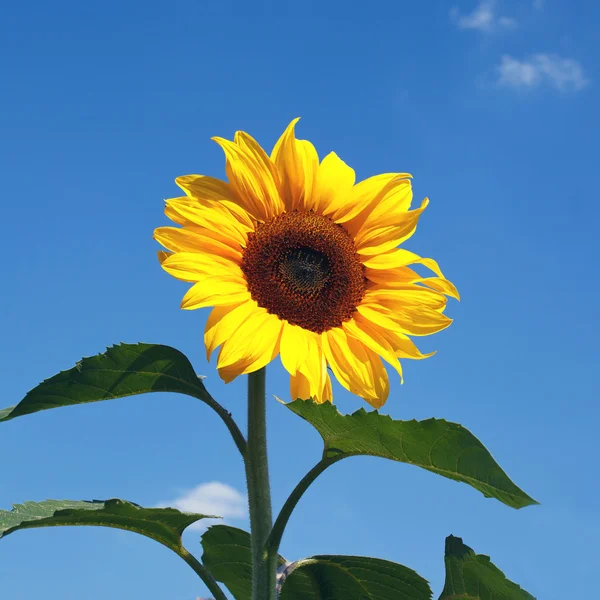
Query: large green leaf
{"points": [[352, 578], [471, 576], [228, 557], [441, 447], [123, 370], [165, 525]]}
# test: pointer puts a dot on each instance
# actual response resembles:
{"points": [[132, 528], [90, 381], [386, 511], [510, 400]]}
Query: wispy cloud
{"points": [[484, 18], [214, 498], [564, 74], [538, 4]]}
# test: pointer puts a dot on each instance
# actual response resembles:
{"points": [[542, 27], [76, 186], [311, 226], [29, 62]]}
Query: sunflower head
{"points": [[298, 260]]}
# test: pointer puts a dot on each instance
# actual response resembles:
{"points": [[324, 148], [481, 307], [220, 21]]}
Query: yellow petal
{"points": [[391, 277], [383, 196], [223, 321], [359, 197], [174, 216], [193, 266], [356, 367], [215, 220], [399, 343], [294, 347], [327, 391], [412, 321], [246, 141], [251, 179], [214, 291], [388, 270], [403, 346], [207, 188], [385, 210], [371, 336], [297, 162], [333, 185], [379, 315], [441, 285], [251, 346], [399, 257], [216, 191], [405, 297], [300, 388], [227, 209], [302, 353], [162, 256], [314, 367], [198, 239], [380, 239]]}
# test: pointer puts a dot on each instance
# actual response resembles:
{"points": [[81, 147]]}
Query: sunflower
{"points": [[298, 260]]}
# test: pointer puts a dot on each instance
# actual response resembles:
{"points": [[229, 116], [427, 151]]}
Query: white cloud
{"points": [[538, 4], [506, 22], [483, 18], [564, 74], [214, 498]]}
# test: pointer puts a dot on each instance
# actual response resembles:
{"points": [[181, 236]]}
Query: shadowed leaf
{"points": [[329, 577], [165, 525], [228, 557], [471, 576]]}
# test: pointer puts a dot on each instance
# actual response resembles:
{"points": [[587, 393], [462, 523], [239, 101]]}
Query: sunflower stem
{"points": [[264, 567], [234, 430], [286, 511], [203, 573]]}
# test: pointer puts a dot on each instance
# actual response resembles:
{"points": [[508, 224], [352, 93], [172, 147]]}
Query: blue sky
{"points": [[492, 107]]}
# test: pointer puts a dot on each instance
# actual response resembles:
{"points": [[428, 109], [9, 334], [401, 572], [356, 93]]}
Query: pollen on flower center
{"points": [[303, 267]]}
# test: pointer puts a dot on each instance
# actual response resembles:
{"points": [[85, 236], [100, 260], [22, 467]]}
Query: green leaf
{"points": [[352, 578], [123, 370], [441, 447], [228, 557], [165, 525], [471, 576]]}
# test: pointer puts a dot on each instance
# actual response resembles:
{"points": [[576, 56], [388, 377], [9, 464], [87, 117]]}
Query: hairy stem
{"points": [[234, 430], [259, 493], [203, 573], [287, 509]]}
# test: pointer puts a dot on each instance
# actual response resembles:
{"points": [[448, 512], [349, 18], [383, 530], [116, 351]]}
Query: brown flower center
{"points": [[303, 267]]}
